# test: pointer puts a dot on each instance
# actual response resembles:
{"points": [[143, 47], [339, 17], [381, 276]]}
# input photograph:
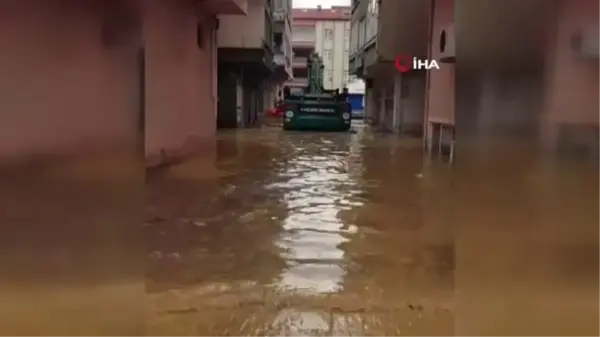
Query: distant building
{"points": [[254, 61], [327, 32]]}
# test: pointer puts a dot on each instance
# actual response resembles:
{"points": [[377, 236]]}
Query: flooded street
{"points": [[320, 234]]}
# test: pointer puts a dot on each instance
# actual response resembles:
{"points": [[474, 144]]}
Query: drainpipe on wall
{"points": [[212, 22]]}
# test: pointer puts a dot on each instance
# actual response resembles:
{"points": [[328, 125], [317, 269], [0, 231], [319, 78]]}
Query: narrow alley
{"points": [[359, 234]]}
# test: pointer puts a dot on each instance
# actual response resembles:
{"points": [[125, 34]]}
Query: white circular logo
{"points": [[346, 115], [289, 114]]}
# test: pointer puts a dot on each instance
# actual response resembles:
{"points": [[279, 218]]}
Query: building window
{"points": [[372, 20], [361, 33], [328, 32], [354, 38]]}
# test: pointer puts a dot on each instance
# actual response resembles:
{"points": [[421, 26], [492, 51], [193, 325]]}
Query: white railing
{"points": [[298, 82], [300, 60]]}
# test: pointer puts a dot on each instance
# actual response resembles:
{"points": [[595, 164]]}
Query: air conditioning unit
{"points": [[447, 44], [585, 42]]}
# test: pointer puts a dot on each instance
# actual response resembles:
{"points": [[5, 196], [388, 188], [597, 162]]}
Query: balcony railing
{"points": [[279, 15], [299, 62], [298, 83]]}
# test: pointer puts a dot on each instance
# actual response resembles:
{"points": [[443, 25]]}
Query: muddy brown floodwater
{"points": [[312, 234]]}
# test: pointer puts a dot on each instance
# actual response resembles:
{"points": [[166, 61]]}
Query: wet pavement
{"points": [[311, 234]]}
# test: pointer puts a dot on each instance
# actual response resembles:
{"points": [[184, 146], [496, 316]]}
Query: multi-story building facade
{"points": [[503, 89], [374, 47], [247, 64], [327, 32], [282, 16]]}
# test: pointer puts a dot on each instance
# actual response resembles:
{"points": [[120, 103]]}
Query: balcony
{"points": [[303, 44], [218, 7], [282, 58], [279, 15], [283, 68], [282, 11], [304, 37], [299, 62], [248, 39], [297, 83]]}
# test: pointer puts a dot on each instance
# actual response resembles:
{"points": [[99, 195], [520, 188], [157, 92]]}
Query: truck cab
{"points": [[314, 108]]}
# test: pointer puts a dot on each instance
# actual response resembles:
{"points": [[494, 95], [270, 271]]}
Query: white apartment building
{"points": [[327, 31]]}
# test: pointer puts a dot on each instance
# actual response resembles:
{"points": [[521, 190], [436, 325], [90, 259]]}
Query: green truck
{"points": [[316, 109]]}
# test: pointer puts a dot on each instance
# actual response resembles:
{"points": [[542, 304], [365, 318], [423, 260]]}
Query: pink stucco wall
{"points": [[61, 90], [181, 94], [65, 91], [572, 83], [441, 88]]}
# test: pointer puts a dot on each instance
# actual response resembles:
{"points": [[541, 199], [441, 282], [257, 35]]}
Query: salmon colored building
{"points": [[92, 75], [508, 69]]}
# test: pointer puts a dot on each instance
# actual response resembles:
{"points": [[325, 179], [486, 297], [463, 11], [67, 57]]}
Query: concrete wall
{"points": [[571, 82], [181, 92], [63, 90], [408, 22], [248, 31], [440, 89], [412, 104], [302, 32], [66, 90]]}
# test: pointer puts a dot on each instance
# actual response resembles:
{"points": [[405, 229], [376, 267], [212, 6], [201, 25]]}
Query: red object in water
{"points": [[275, 112], [279, 111]]}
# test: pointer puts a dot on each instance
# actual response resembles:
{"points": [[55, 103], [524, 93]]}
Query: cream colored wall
{"points": [[336, 66], [237, 31], [304, 33]]}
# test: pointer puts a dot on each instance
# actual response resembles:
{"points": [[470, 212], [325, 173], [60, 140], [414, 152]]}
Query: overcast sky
{"points": [[323, 3]]}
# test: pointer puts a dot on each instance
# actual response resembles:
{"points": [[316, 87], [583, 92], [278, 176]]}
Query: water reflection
{"points": [[318, 187], [494, 244]]}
